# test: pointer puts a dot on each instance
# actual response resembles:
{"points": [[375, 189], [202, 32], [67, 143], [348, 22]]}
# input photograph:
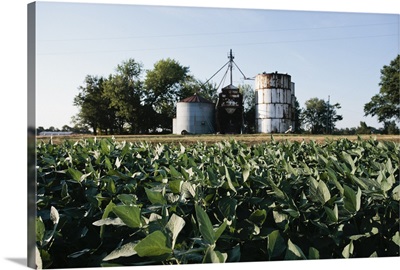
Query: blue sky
{"points": [[335, 54]]}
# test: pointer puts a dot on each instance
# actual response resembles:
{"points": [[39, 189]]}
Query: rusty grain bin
{"points": [[229, 111], [273, 102], [194, 115]]}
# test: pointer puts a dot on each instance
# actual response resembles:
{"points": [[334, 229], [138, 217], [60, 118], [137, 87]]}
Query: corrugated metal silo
{"points": [[273, 102], [194, 115]]}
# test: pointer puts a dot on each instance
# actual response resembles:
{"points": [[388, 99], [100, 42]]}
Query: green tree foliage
{"points": [[386, 104], [320, 116], [95, 110], [164, 85], [124, 90], [207, 90], [390, 127], [296, 115], [126, 103], [249, 104], [363, 129]]}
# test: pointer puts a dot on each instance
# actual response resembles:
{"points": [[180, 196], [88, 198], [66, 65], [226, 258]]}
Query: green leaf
{"points": [[246, 174], [352, 201], [108, 164], [205, 226], [313, 253], [40, 229], [220, 230], [187, 190], [227, 206], [79, 253], [258, 216], [396, 193], [349, 160], [281, 219], [175, 225], [105, 147], [293, 252], [127, 199], [275, 244], [110, 185], [155, 197], [348, 250], [112, 172], [386, 183], [174, 173], [333, 178], [230, 177], [213, 256], [64, 191], [333, 215], [278, 192], [213, 179], [130, 215], [126, 250], [154, 244], [107, 211], [175, 186], [358, 182], [234, 254], [75, 174], [396, 238], [323, 193]]}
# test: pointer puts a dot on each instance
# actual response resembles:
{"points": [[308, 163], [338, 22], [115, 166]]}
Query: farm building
{"points": [[274, 103], [194, 115], [274, 107], [229, 111]]}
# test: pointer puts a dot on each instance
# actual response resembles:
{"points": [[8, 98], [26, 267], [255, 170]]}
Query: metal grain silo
{"points": [[194, 115], [230, 111], [273, 102]]}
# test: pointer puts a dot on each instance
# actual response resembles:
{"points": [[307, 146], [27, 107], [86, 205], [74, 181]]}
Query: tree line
{"points": [[138, 101], [125, 103]]}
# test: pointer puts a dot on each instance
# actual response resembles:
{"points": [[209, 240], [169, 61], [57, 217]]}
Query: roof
{"points": [[196, 99], [230, 87]]}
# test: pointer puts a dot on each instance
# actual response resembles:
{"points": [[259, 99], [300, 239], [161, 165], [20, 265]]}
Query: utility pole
{"points": [[231, 57]]}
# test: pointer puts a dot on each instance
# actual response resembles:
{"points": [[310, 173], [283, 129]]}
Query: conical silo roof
{"points": [[195, 99]]}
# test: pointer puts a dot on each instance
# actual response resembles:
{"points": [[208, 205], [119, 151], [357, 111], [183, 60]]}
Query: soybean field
{"points": [[115, 201]]}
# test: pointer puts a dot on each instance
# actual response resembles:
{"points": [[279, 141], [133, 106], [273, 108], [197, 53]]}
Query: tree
{"points": [[296, 116], [124, 91], [389, 127], [94, 108], [320, 116], [163, 86], [207, 90], [249, 107], [386, 104], [363, 128]]}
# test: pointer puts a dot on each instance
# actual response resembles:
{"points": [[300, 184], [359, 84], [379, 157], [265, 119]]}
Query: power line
{"points": [[217, 45], [214, 33]]}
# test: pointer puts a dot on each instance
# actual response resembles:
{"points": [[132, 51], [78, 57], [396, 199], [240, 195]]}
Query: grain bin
{"points": [[230, 111], [194, 115], [273, 102]]}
